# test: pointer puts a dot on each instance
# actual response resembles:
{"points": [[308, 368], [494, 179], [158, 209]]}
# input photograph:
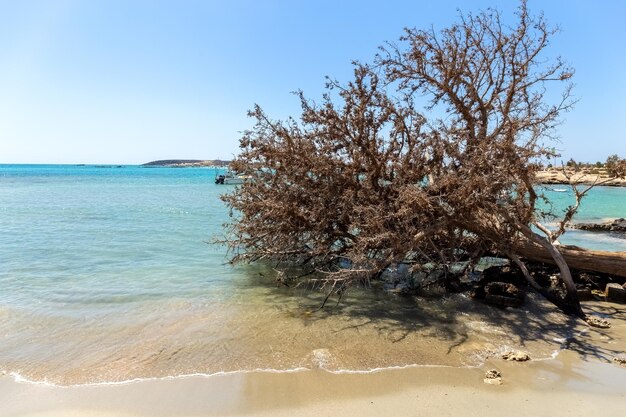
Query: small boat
{"points": [[230, 178], [560, 190]]}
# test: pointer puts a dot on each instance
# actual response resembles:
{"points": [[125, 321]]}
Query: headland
{"points": [[584, 176], [182, 163]]}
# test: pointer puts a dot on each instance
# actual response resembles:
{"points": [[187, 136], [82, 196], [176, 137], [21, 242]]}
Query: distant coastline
{"points": [[184, 163], [548, 176], [584, 177], [552, 176]]}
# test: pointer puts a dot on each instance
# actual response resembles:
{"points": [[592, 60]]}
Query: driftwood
{"points": [[613, 263]]}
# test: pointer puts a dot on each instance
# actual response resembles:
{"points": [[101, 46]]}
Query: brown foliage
{"points": [[364, 181]]}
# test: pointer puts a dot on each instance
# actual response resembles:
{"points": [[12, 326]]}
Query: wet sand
{"points": [[565, 386], [582, 380], [266, 330]]}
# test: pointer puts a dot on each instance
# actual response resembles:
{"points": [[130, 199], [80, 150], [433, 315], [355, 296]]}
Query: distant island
{"points": [[183, 163]]}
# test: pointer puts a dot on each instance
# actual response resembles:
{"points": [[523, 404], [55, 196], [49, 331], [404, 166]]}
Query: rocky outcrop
{"points": [[618, 225], [187, 163], [169, 162], [557, 176]]}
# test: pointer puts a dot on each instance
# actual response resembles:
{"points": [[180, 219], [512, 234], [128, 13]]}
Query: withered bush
{"points": [[365, 180]]}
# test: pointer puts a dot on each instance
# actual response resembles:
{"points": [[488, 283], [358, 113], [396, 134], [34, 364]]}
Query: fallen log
{"points": [[613, 263]]}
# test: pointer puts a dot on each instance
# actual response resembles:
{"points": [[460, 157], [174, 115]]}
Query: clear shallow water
{"points": [[105, 275], [599, 205]]}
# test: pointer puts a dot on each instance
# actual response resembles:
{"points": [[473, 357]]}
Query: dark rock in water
{"points": [[618, 225], [615, 292], [503, 274], [500, 277], [504, 294], [584, 294], [516, 356], [398, 279]]}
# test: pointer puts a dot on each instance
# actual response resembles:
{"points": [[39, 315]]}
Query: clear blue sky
{"points": [[111, 81]]}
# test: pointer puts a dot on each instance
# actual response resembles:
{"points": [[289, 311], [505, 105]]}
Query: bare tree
{"points": [[341, 188], [490, 80], [364, 181]]}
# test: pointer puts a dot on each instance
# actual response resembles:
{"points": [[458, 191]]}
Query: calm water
{"points": [[599, 205], [105, 275]]}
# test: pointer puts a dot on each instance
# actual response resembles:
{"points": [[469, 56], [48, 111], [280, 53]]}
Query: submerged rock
{"points": [[493, 377], [517, 356], [321, 358], [503, 294]]}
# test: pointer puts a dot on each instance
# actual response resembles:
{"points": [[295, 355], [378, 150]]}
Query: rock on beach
{"points": [[493, 377]]}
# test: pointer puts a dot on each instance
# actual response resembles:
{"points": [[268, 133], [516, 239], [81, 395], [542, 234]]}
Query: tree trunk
{"points": [[613, 263], [556, 257]]}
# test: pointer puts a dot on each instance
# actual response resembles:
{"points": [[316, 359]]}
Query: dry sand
{"points": [[581, 380]]}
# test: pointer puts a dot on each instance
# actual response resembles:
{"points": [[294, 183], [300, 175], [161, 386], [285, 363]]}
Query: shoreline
{"points": [[568, 385], [581, 379], [347, 340]]}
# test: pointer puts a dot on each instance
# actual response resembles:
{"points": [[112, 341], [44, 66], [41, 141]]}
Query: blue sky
{"points": [[132, 81]]}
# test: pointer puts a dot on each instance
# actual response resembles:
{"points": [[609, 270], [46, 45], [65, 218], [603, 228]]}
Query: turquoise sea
{"points": [[107, 274]]}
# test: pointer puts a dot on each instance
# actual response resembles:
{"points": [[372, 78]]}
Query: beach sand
{"points": [[565, 386], [581, 380]]}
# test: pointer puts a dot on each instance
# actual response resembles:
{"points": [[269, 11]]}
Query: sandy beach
{"points": [[564, 386], [581, 380]]}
